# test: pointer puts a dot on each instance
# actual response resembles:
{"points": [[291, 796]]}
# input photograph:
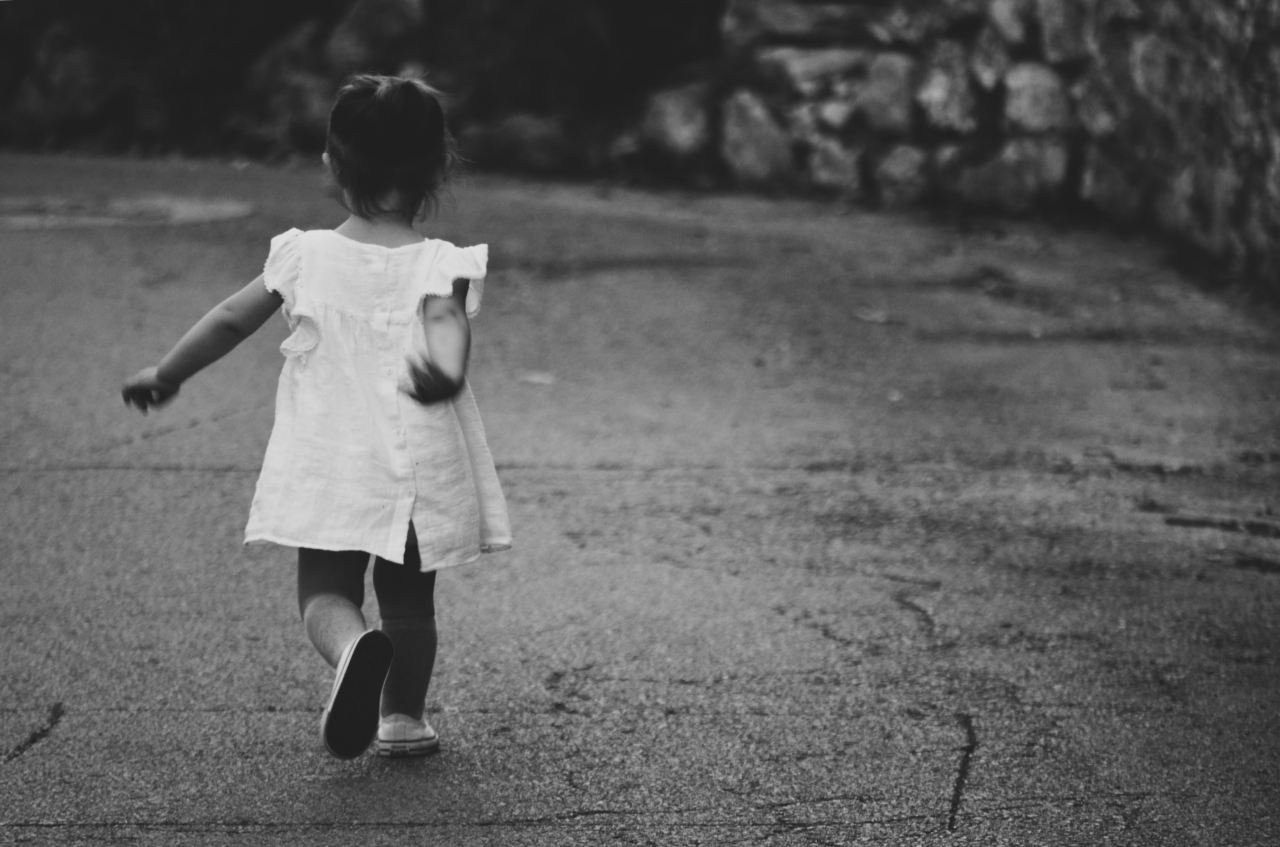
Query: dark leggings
{"points": [[403, 591]]}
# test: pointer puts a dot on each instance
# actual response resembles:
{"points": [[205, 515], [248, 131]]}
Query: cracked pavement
{"points": [[831, 528]]}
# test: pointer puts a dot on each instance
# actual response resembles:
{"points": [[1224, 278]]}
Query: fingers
{"points": [[132, 397], [139, 398], [143, 397]]}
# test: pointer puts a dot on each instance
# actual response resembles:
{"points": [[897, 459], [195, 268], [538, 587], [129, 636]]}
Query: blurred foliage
{"points": [[591, 58], [148, 75], [166, 71]]}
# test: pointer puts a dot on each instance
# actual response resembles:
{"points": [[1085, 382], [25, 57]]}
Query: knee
{"points": [[336, 575], [321, 602]]}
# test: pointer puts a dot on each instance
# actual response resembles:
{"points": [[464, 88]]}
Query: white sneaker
{"points": [[401, 735]]}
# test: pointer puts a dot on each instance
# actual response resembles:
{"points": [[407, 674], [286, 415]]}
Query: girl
{"points": [[377, 448]]}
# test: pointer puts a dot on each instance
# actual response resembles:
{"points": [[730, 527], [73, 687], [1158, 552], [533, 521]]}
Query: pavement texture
{"points": [[831, 528]]}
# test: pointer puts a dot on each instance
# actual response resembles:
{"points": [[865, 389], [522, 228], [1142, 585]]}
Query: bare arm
{"points": [[439, 371], [213, 336]]}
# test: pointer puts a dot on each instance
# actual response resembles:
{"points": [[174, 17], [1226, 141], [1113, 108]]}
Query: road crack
{"points": [[904, 600], [40, 733], [806, 619], [962, 772], [1257, 528]]}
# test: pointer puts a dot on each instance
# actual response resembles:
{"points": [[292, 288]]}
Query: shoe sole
{"points": [[350, 721], [406, 749]]}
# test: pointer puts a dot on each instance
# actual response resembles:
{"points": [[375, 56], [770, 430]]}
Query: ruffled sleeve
{"points": [[280, 274], [284, 261], [469, 263]]}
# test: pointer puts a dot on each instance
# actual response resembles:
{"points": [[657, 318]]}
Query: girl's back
{"points": [[361, 278], [352, 458], [359, 288]]}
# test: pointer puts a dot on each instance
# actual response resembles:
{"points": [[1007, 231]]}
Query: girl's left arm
{"points": [[213, 336]]}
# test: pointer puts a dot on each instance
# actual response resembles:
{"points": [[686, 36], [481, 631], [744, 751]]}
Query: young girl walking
{"points": [[377, 448]]}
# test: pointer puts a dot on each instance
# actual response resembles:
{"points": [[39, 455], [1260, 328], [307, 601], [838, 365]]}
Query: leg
{"points": [[330, 594], [406, 599]]}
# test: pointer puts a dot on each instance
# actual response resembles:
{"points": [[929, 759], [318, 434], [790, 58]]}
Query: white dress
{"points": [[352, 458]]}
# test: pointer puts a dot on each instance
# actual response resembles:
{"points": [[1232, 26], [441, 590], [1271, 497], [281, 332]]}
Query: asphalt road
{"points": [[831, 528]]}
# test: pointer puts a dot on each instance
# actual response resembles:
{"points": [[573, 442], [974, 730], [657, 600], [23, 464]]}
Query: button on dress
{"points": [[352, 459]]}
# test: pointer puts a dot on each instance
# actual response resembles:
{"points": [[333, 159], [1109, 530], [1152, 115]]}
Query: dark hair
{"points": [[388, 143]]}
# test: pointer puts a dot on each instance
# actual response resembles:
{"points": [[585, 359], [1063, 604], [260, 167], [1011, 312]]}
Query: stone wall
{"points": [[1151, 113], [1161, 113]]}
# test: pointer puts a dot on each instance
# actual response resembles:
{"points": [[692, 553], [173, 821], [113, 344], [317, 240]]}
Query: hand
{"points": [[145, 390], [429, 383]]}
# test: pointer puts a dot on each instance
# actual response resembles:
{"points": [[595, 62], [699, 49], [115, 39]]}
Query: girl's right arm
{"points": [[438, 369], [213, 336]]}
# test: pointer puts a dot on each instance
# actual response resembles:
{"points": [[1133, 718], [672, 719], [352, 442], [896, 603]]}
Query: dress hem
{"points": [[267, 538]]}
